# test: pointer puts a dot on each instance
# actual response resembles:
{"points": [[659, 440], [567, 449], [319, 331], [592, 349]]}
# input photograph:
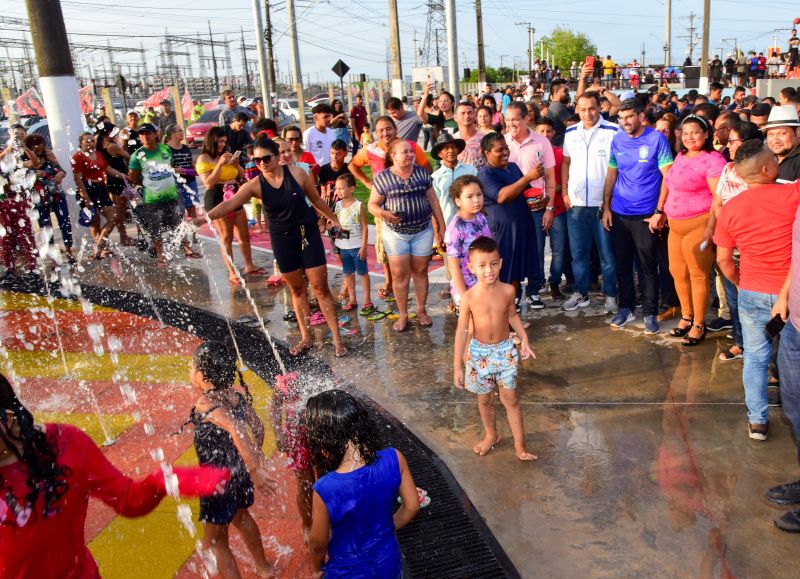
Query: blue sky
{"points": [[356, 30]]}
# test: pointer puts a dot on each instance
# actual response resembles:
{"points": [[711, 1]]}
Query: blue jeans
{"points": [[732, 295], [583, 227], [535, 284], [558, 247], [789, 364], [62, 216], [754, 313]]}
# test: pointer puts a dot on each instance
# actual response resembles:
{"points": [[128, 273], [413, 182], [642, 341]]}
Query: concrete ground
{"points": [[645, 467]]}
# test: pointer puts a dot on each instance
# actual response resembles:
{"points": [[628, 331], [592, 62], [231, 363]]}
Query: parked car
{"points": [[289, 106], [196, 132]]}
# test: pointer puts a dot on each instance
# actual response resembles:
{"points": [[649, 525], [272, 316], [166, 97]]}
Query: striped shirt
{"points": [[408, 196]]}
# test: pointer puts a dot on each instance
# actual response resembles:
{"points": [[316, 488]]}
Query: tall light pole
{"points": [[452, 47], [481, 62], [262, 59], [668, 35], [706, 40], [531, 30]]}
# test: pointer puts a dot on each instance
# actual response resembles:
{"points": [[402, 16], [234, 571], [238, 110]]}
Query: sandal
{"points": [[377, 316], [730, 356], [396, 316], [192, 255], [349, 307], [275, 280], [342, 320], [690, 341], [257, 272], [368, 308], [681, 332], [316, 319], [290, 316]]}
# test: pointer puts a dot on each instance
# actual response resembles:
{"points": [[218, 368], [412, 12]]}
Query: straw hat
{"points": [[782, 116]]}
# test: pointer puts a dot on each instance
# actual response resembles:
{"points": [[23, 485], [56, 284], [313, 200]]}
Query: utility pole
{"points": [[394, 36], [668, 36], [481, 61], [706, 39], [213, 58], [414, 43], [262, 69], [531, 30], [436, 34], [246, 68], [270, 49], [692, 39], [57, 81], [452, 48], [297, 74]]}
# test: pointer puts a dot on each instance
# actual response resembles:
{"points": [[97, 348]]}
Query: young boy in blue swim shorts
{"points": [[492, 358]]}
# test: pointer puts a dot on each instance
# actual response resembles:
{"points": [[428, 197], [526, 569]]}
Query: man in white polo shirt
{"points": [[587, 147]]}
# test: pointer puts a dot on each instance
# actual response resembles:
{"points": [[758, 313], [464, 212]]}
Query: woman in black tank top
{"points": [[116, 172], [296, 241]]}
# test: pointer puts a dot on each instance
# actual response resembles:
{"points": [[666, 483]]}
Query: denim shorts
{"points": [[416, 244], [187, 195], [351, 262]]}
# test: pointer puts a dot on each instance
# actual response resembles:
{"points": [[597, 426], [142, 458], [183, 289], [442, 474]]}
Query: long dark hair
{"points": [[334, 418], [46, 478], [217, 361], [210, 147]]}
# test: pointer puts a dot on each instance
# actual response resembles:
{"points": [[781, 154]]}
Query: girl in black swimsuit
{"points": [[296, 240]]}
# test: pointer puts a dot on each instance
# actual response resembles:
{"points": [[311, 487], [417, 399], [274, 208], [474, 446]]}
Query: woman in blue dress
{"points": [[507, 213]]}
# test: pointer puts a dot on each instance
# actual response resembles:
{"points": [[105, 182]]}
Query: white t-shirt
{"points": [[350, 218], [319, 144]]}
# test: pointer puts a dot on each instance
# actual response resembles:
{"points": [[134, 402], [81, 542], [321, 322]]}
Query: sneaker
{"points": [[623, 317], [534, 302], [758, 431], [787, 494], [575, 301], [718, 325], [773, 396], [651, 325], [611, 305], [789, 522]]}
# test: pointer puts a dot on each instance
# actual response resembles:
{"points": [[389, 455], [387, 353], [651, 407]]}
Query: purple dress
{"points": [[511, 224], [458, 237]]}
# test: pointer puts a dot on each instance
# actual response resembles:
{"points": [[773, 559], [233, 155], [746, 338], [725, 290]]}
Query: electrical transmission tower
{"points": [[434, 46]]}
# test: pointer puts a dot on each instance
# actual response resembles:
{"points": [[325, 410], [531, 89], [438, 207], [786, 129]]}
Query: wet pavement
{"points": [[644, 464]]}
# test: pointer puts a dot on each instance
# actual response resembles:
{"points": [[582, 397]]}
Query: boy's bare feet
{"points": [[424, 319], [339, 350], [485, 446], [301, 347], [524, 455]]}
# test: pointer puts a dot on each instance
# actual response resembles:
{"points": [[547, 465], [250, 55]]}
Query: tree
{"points": [[494, 75], [566, 47]]}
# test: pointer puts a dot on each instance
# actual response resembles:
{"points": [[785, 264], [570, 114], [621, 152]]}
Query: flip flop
{"points": [[316, 319], [275, 280], [343, 320], [389, 299], [367, 310], [258, 272], [396, 316], [349, 306], [377, 315]]}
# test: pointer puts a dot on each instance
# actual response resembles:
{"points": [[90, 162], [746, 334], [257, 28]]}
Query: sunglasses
{"points": [[293, 139], [265, 159]]}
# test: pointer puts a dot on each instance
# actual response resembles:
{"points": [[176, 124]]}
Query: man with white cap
{"points": [[783, 137]]}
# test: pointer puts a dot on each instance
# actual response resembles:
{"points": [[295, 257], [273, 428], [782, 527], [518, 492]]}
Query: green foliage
{"points": [[566, 47], [494, 75]]}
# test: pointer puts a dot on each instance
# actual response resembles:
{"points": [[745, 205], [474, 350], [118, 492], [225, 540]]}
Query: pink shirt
{"points": [[533, 150], [687, 181]]}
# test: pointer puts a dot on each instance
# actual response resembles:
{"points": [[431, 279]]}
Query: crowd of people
{"points": [[647, 201]]}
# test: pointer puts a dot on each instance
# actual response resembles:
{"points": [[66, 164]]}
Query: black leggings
{"points": [[631, 236]]}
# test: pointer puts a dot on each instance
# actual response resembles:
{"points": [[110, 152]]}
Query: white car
{"points": [[289, 107]]}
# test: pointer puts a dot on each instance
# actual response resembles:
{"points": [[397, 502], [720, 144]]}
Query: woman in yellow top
{"points": [[221, 173]]}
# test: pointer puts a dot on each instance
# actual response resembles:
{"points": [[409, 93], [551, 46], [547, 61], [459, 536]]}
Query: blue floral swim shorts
{"points": [[491, 366]]}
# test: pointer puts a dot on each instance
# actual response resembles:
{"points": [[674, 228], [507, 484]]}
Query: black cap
{"points": [[447, 139], [147, 128]]}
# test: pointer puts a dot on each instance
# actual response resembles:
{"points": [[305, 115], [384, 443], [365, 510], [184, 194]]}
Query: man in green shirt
{"points": [[151, 170]]}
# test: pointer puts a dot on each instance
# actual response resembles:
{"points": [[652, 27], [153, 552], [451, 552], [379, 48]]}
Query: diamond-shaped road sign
{"points": [[340, 68]]}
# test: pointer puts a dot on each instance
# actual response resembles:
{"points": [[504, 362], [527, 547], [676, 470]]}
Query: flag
{"points": [[186, 104], [156, 99], [86, 98], [30, 103]]}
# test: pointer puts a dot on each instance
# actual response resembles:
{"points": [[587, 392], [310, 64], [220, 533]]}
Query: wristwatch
{"points": [[658, 211], [551, 208]]}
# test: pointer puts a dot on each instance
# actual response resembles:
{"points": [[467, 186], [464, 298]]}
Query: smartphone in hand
{"points": [[774, 326]]}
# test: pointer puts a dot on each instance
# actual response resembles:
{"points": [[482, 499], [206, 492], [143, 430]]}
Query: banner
{"points": [[86, 98], [30, 103], [186, 104]]}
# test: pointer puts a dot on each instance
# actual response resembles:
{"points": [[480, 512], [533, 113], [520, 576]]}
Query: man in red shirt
{"points": [[358, 120], [758, 223]]}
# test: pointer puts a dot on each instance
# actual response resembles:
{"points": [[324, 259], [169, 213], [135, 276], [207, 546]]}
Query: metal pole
{"points": [[262, 71], [246, 68], [394, 36], [668, 39], [297, 75], [481, 61], [270, 49], [452, 47], [436, 34], [213, 58]]}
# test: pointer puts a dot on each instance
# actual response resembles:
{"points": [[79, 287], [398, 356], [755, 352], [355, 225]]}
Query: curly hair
{"points": [[333, 419], [46, 478], [217, 361]]}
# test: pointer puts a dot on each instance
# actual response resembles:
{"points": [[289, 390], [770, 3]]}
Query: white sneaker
{"points": [[611, 305], [575, 301]]}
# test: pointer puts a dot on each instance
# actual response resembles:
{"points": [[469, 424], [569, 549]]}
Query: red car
{"points": [[196, 132]]}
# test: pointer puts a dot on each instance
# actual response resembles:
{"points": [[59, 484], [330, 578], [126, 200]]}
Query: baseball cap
{"points": [[147, 128]]}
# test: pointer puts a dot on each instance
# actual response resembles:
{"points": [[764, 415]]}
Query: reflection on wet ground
{"points": [[645, 466]]}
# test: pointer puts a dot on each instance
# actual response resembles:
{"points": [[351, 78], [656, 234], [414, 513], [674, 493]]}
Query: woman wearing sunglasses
{"points": [[221, 173], [296, 240]]}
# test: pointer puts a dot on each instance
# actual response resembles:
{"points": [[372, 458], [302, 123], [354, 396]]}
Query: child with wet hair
{"points": [[227, 433], [353, 521]]}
